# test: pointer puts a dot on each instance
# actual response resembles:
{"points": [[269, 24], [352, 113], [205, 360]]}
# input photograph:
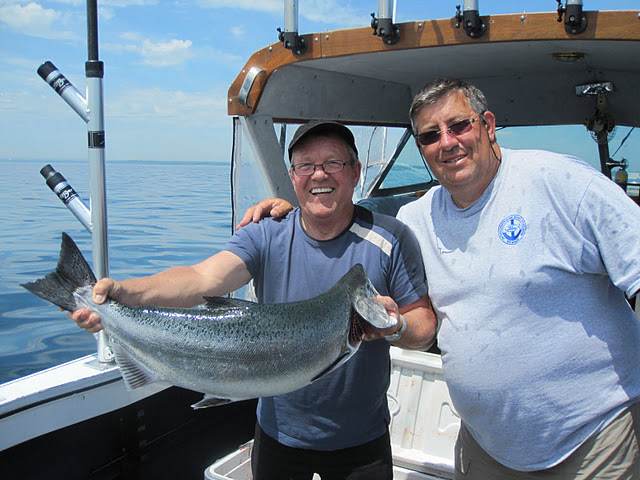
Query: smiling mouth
{"points": [[319, 191], [454, 160]]}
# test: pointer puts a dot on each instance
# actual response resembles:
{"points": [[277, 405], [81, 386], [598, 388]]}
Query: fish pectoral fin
{"points": [[214, 303], [133, 374], [211, 401]]}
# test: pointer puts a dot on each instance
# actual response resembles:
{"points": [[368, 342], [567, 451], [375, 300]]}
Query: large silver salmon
{"points": [[228, 349]]}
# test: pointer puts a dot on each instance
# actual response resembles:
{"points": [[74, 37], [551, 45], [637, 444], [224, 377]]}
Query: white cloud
{"points": [[340, 14], [333, 12], [34, 20], [161, 54], [127, 3], [169, 107], [273, 6], [131, 36], [166, 54]]}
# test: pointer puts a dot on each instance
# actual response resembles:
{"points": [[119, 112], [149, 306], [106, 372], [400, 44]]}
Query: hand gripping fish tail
{"points": [[230, 350]]}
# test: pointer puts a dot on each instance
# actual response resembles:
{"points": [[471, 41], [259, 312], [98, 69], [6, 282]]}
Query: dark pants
{"points": [[270, 460]]}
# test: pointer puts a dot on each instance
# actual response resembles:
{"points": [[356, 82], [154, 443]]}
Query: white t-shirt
{"points": [[539, 346]]}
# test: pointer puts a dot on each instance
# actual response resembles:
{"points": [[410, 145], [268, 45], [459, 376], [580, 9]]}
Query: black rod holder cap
{"points": [[45, 69]]}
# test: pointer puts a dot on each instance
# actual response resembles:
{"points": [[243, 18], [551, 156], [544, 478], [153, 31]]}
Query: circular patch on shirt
{"points": [[512, 229]]}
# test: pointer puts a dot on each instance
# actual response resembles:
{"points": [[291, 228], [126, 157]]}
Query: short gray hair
{"points": [[441, 87]]}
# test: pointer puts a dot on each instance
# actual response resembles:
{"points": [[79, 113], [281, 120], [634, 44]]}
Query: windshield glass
{"points": [[624, 146]]}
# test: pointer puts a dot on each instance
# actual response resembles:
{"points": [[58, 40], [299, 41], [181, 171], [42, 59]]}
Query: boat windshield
{"points": [[393, 167], [406, 166]]}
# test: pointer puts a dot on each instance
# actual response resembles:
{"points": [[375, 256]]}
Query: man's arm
{"points": [[421, 323], [218, 275]]}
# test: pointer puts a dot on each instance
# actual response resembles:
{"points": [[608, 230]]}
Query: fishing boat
{"points": [[570, 66]]}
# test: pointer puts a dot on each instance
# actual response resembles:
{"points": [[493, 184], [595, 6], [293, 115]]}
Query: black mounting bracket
{"points": [[293, 42], [473, 24], [384, 28], [574, 21]]}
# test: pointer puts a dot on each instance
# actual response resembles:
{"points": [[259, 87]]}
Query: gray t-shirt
{"points": [[539, 346], [347, 407]]}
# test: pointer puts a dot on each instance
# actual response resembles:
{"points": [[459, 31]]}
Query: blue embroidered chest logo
{"points": [[512, 229]]}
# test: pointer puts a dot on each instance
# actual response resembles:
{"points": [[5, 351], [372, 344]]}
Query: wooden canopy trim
{"points": [[602, 25]]}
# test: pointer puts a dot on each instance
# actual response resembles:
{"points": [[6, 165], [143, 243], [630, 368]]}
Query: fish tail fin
{"points": [[72, 272]]}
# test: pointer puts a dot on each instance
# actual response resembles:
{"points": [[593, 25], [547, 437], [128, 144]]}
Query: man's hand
{"points": [[419, 318], [392, 310], [270, 207], [87, 319]]}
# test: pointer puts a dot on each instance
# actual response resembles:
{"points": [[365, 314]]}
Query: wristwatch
{"points": [[396, 336]]}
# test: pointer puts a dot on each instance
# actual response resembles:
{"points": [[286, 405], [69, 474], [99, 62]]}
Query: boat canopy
{"points": [[526, 64]]}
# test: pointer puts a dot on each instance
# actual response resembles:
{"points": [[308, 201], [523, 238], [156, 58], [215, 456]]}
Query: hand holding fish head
{"points": [[390, 325]]}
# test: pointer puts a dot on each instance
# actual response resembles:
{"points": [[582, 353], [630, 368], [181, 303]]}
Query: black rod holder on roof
{"points": [[470, 19], [383, 26], [574, 21], [290, 38]]}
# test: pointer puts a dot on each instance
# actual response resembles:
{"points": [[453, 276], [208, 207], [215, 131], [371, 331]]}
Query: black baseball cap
{"points": [[322, 126]]}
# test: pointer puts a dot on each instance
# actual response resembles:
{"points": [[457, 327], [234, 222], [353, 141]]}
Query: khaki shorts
{"points": [[612, 454]]}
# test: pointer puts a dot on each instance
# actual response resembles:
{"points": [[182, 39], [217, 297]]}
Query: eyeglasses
{"points": [[455, 129], [307, 169]]}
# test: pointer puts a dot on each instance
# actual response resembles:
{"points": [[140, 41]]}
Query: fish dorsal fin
{"points": [[214, 303], [133, 374]]}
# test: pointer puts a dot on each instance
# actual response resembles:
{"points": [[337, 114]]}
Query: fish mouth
{"points": [[357, 329]]}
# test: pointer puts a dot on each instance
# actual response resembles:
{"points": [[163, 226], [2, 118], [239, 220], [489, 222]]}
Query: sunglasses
{"points": [[455, 129]]}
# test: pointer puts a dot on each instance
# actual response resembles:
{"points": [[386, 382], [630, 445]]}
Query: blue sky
{"points": [[168, 66]]}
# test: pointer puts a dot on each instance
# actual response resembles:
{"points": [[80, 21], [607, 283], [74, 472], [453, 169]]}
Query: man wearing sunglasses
{"points": [[338, 425], [528, 256]]}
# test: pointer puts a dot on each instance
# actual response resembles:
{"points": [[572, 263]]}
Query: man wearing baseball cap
{"points": [[338, 425]]}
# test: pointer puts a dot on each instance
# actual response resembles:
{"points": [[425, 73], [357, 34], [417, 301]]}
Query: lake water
{"points": [[159, 214]]}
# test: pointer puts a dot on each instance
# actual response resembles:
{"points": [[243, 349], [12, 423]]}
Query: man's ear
{"points": [[357, 168], [489, 120]]}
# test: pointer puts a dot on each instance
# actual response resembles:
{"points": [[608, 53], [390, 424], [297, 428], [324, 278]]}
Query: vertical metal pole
{"points": [[470, 5], [96, 142], [385, 9], [291, 16]]}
